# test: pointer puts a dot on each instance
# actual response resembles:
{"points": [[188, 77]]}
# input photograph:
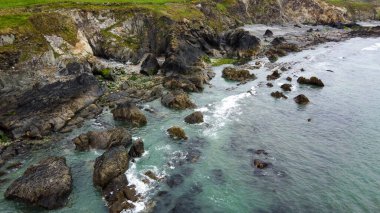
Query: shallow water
{"points": [[326, 165]]}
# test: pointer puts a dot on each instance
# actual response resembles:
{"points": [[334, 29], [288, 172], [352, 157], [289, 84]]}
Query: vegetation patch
{"points": [[221, 61]]}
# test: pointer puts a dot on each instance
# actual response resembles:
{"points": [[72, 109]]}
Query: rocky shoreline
{"points": [[44, 98]]}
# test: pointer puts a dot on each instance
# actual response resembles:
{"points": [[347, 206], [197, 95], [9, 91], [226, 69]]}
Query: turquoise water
{"points": [[326, 165]]}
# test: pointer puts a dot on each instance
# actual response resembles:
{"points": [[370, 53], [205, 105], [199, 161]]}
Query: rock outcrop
{"points": [[301, 99], [312, 81], [177, 100], [233, 74], [103, 139], [137, 149], [47, 184], [150, 65], [177, 133], [278, 95], [131, 114], [194, 118]]}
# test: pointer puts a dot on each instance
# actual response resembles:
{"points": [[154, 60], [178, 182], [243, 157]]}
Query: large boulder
{"points": [[103, 139], [242, 42], [233, 74], [150, 65], [286, 87], [47, 184], [110, 165], [312, 81], [177, 100], [130, 113], [40, 111], [278, 95], [275, 75], [268, 33], [177, 133], [137, 149], [301, 99], [187, 84], [194, 118]]}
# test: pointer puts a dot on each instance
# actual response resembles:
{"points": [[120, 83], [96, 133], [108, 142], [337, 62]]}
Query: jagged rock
{"points": [[233, 74], [278, 94], [275, 75], [242, 42], [194, 118], [192, 84], [75, 68], [177, 100], [151, 175], [40, 111], [103, 139], [278, 40], [47, 184], [286, 87], [177, 133], [110, 165], [312, 81], [301, 99], [130, 113], [137, 149], [150, 65], [268, 33], [260, 164]]}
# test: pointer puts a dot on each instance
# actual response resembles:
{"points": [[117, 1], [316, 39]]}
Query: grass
{"points": [[221, 61]]}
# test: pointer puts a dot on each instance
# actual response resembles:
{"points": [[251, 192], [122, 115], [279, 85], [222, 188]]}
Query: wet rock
{"points": [[278, 95], [261, 152], [260, 164], [117, 184], [301, 99], [194, 118], [151, 175], [103, 139], [312, 81], [109, 165], [130, 113], [118, 207], [193, 155], [278, 41], [177, 100], [40, 111], [309, 120], [268, 33], [286, 87], [47, 184], [150, 65], [273, 58], [137, 149], [233, 74], [242, 42], [177, 133], [269, 84], [187, 84], [275, 75], [175, 180], [289, 79]]}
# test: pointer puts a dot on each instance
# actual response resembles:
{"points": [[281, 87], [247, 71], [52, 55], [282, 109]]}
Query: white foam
{"points": [[374, 47]]}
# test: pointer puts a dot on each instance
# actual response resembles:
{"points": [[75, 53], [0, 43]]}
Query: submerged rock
{"points": [[109, 165], [151, 175], [137, 149], [175, 180], [278, 94], [47, 184], [194, 118], [177, 100], [301, 99], [312, 81], [150, 65], [286, 87], [130, 113], [103, 139], [177, 133], [233, 74]]}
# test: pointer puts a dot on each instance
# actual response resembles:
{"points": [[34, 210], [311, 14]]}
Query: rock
{"points": [[278, 94], [192, 84], [40, 111], [194, 118], [151, 175], [289, 79], [118, 207], [286, 87], [109, 165], [242, 42], [233, 74], [177, 100], [130, 113], [275, 75], [150, 65], [268, 33], [47, 184], [301, 99], [103, 139], [269, 84], [277, 41], [261, 152], [177, 133], [75, 68], [217, 176], [260, 164], [137, 149], [175, 180], [273, 58], [312, 81], [309, 120]]}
